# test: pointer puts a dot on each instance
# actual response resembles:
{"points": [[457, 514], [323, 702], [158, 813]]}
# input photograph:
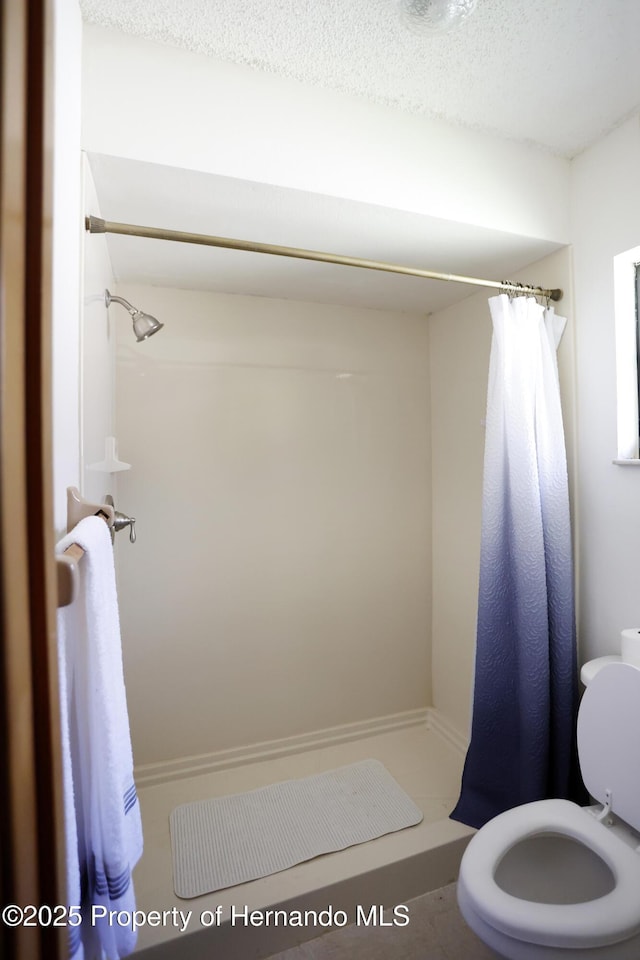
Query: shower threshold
{"points": [[254, 920]]}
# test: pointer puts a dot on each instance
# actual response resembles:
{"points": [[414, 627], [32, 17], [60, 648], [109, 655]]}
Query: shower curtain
{"points": [[526, 686]]}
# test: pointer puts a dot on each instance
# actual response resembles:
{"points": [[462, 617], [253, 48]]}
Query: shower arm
{"points": [[110, 298]]}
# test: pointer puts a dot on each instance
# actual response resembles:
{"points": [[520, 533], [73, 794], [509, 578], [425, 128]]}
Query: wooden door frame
{"points": [[31, 831]]}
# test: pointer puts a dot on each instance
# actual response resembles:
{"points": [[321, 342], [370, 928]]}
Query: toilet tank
{"points": [[591, 667]]}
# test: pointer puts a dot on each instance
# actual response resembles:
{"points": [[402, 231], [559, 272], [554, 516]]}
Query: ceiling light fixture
{"points": [[436, 16]]}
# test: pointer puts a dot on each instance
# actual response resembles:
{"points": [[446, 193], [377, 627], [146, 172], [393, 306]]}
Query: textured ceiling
{"points": [[557, 73]]}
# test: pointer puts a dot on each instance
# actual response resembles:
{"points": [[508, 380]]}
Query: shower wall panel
{"points": [[97, 359], [280, 479]]}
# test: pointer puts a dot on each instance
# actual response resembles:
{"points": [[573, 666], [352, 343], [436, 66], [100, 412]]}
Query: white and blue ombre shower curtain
{"points": [[526, 687]]}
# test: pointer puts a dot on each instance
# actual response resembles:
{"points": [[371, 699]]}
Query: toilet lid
{"points": [[609, 739]]}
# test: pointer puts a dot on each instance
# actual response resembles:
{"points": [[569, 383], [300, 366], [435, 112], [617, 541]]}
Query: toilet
{"points": [[554, 880]]}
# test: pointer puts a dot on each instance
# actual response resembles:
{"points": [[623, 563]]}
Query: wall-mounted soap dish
{"points": [[111, 463]]}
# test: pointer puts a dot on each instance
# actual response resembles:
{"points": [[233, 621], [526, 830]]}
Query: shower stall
{"points": [[305, 475]]}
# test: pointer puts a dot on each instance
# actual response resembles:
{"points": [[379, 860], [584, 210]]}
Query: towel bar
{"points": [[65, 566], [66, 563]]}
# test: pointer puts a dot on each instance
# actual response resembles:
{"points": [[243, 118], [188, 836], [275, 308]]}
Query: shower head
{"points": [[144, 325]]}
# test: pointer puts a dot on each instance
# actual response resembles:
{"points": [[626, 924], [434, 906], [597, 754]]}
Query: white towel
{"points": [[99, 759], [65, 662]]}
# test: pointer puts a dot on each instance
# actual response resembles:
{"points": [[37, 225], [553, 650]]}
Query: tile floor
{"points": [[436, 931], [422, 762]]}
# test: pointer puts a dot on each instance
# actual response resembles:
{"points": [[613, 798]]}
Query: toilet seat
{"points": [[617, 916]]}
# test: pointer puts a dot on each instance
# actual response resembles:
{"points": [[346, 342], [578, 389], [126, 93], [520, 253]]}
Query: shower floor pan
{"points": [[387, 871]]}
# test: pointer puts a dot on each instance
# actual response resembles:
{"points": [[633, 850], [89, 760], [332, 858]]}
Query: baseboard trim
{"points": [[442, 725], [152, 774]]}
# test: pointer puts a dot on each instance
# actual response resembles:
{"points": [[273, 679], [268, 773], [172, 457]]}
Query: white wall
{"points": [[281, 485], [459, 346], [152, 102], [97, 356], [605, 221], [66, 266]]}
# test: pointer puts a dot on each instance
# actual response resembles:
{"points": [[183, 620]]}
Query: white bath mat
{"points": [[228, 840]]}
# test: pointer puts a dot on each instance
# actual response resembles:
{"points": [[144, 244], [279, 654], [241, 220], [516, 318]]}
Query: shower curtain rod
{"points": [[98, 225]]}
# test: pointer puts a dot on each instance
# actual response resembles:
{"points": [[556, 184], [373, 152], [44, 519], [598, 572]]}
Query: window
{"points": [[637, 288], [626, 268]]}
